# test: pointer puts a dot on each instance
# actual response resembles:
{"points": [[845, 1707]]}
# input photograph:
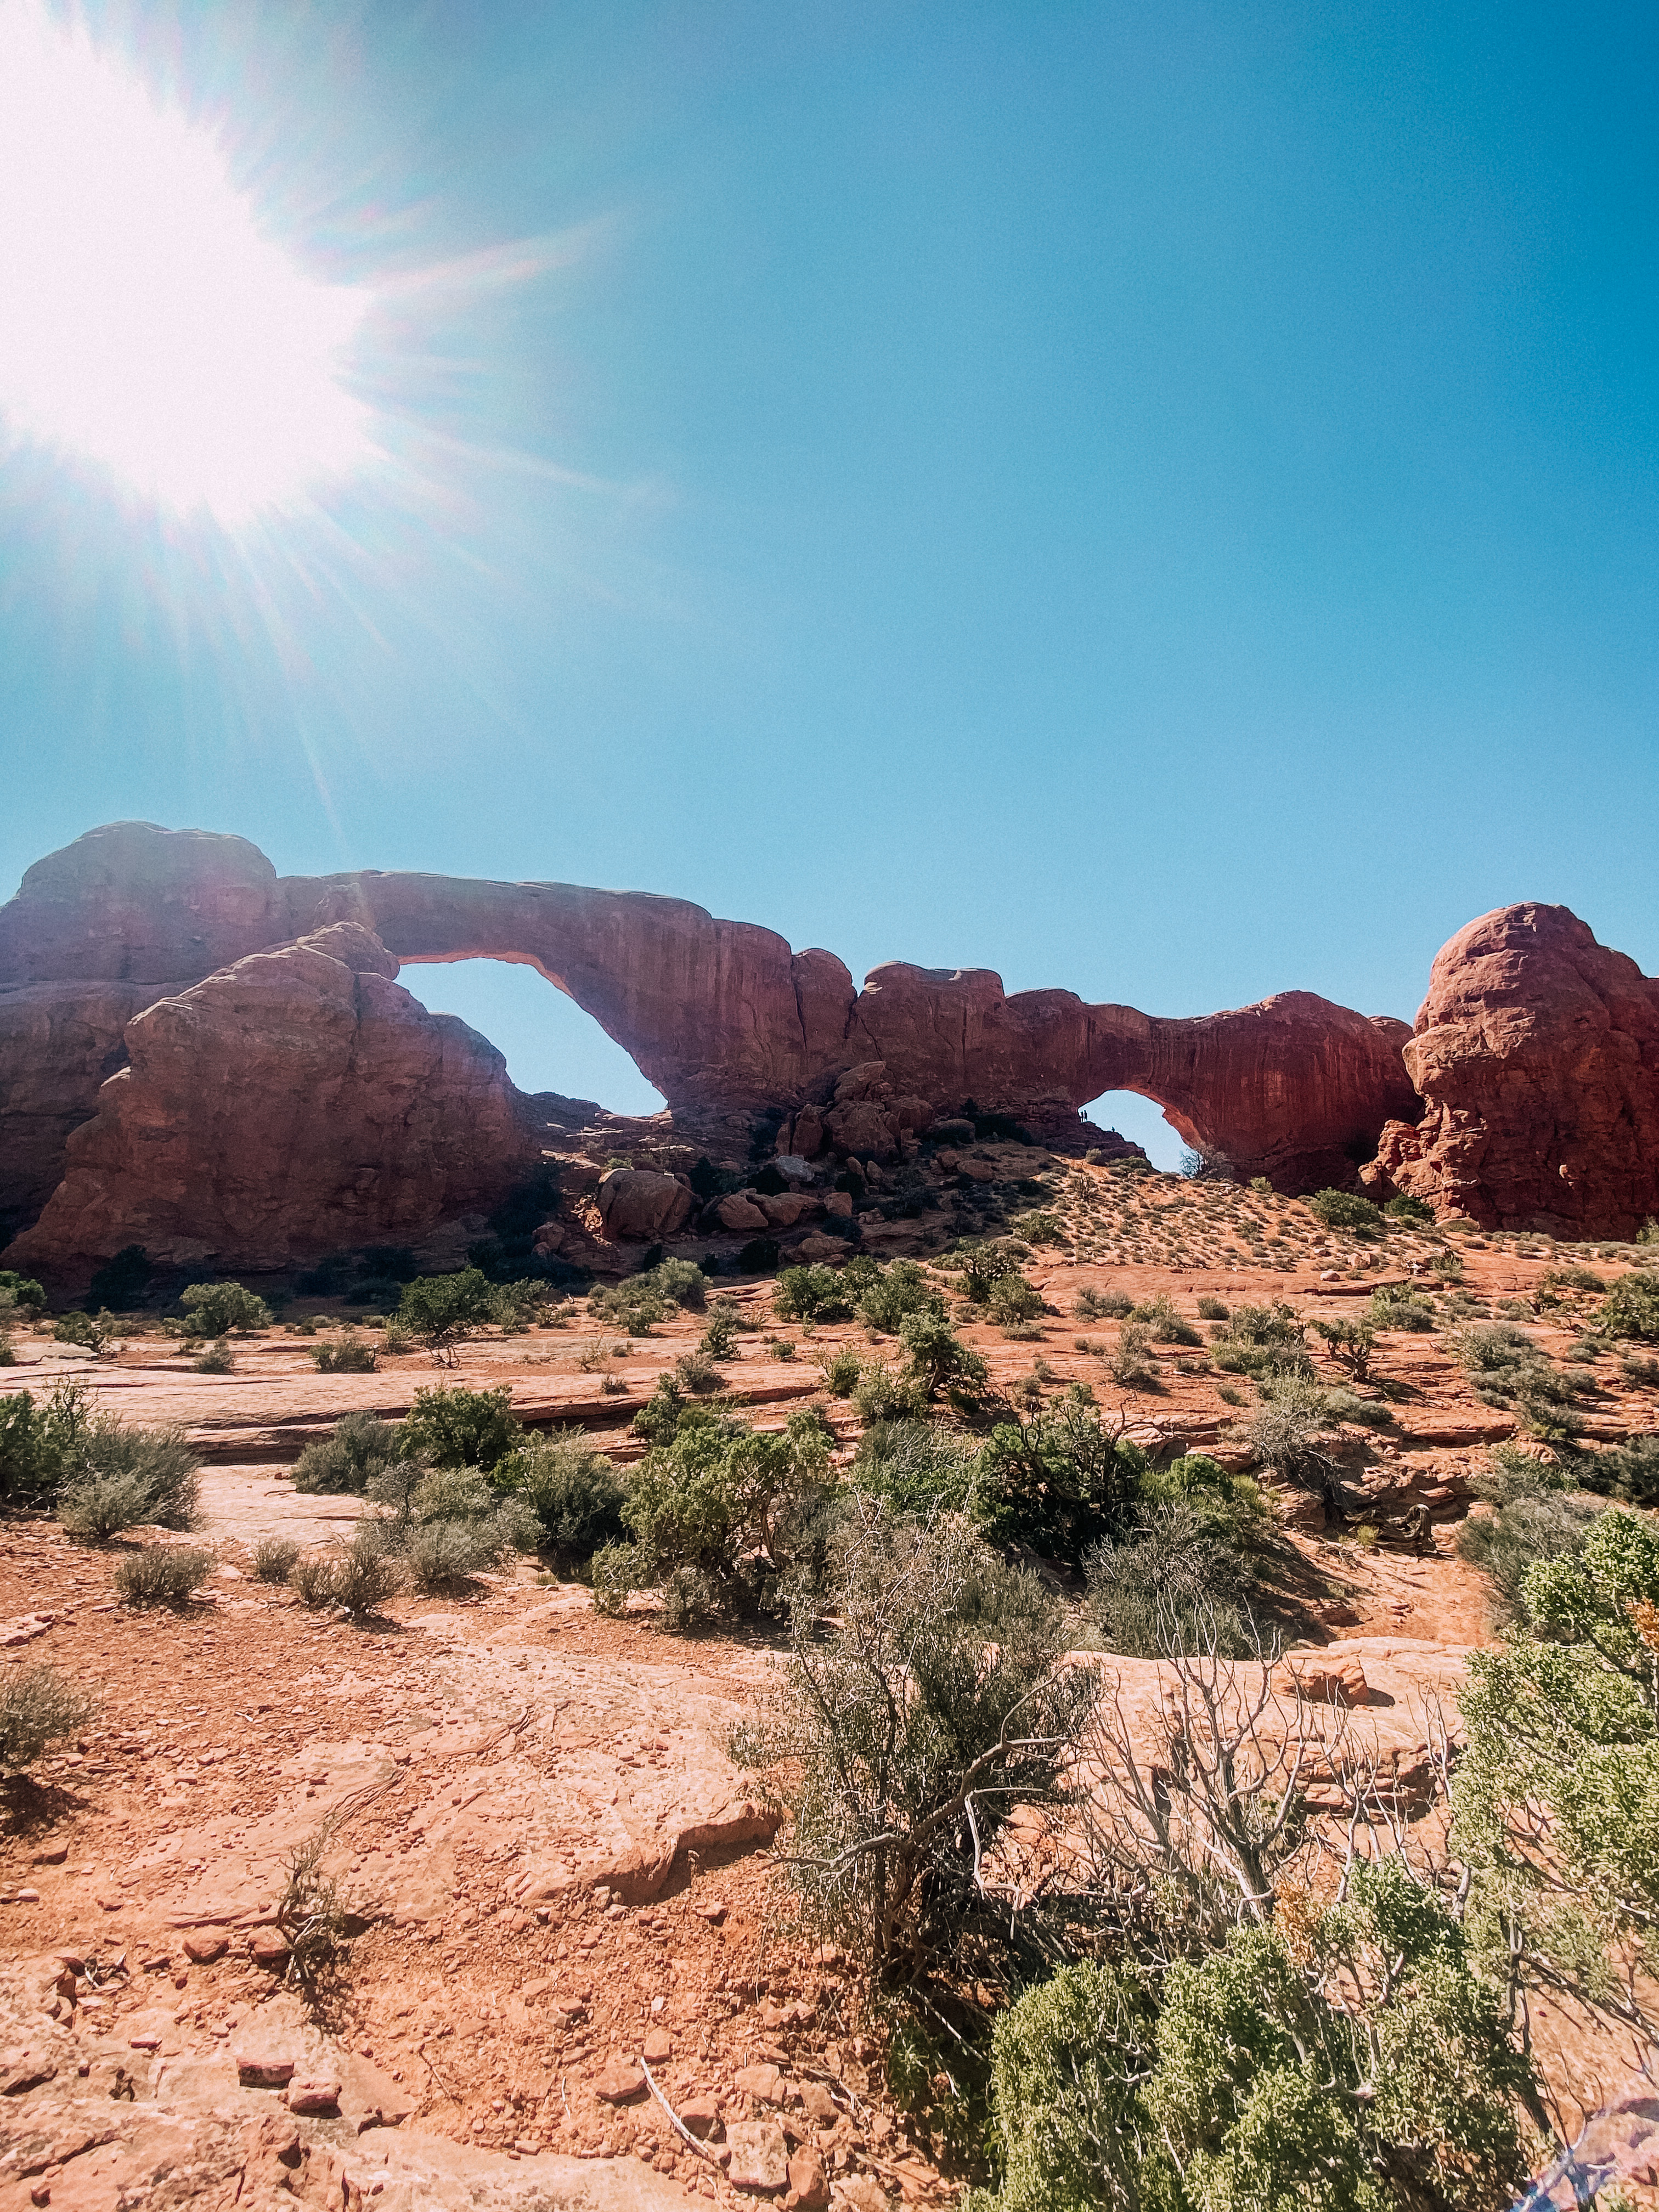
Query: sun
{"points": [[146, 324]]}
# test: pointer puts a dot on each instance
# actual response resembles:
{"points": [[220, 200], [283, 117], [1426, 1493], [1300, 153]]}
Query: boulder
{"points": [[638, 1202], [784, 1210], [298, 1103], [740, 1212], [863, 1127], [1536, 1051]]}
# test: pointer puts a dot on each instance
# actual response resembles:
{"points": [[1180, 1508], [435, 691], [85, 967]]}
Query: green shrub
{"points": [[1130, 1363], [882, 1395], [917, 1465], [659, 1419], [39, 1444], [356, 1578], [443, 1309], [1038, 1228], [1058, 1483], [217, 1359], [23, 1289], [1542, 1523], [1397, 1305], [1631, 1307], [441, 1555], [1211, 1308], [38, 1706], [124, 1478], [352, 1355], [1283, 1431], [1346, 1209], [1629, 1471], [274, 1557], [681, 1281], [815, 1293], [696, 1372], [1412, 1210], [1164, 1323], [983, 1266], [1562, 1745], [719, 1337], [514, 1306], [458, 1427], [1351, 1345], [357, 1446], [573, 1489], [939, 1680], [161, 1574], [1571, 1279], [92, 1331], [216, 1309], [898, 1290], [1014, 1300], [723, 1503], [937, 1361], [841, 1370]]}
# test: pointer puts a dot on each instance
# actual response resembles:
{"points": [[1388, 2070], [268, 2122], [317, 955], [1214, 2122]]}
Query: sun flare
{"points": [[145, 324]]}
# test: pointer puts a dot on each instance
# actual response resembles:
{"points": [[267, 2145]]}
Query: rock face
{"points": [[722, 1016], [58, 1043], [297, 1102], [1537, 1055]]}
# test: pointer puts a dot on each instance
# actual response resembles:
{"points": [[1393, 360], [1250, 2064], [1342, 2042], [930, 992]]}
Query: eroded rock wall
{"points": [[296, 1102]]}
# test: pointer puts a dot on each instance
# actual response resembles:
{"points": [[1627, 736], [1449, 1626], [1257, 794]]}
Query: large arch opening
{"points": [[1141, 1120], [550, 1044]]}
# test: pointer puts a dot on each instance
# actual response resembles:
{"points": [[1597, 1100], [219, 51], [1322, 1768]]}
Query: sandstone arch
{"points": [[722, 1017]]}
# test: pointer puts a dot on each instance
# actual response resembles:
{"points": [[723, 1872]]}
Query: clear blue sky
{"points": [[1155, 499]]}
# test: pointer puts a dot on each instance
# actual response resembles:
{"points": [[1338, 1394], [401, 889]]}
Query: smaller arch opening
{"points": [[549, 1043], [1141, 1120]]}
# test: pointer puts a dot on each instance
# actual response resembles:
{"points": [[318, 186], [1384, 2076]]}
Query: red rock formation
{"points": [[720, 1015], [132, 904], [58, 1043], [1537, 1053], [296, 1103]]}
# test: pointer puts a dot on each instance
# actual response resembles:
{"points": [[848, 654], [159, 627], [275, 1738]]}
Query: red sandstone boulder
{"points": [[296, 1104], [637, 1202], [1537, 1055]]}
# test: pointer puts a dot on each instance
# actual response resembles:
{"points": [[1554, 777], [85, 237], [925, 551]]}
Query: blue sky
{"points": [[1158, 500]]}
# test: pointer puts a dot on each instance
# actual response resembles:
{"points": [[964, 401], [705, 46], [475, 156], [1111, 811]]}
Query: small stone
{"points": [[659, 2047], [760, 2157], [817, 2103], [28, 1896], [317, 2092], [713, 1914], [763, 2083], [53, 1855], [619, 2081], [205, 1945], [144, 2042], [808, 2181], [263, 2069], [702, 2114], [861, 2192], [268, 1946]]}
